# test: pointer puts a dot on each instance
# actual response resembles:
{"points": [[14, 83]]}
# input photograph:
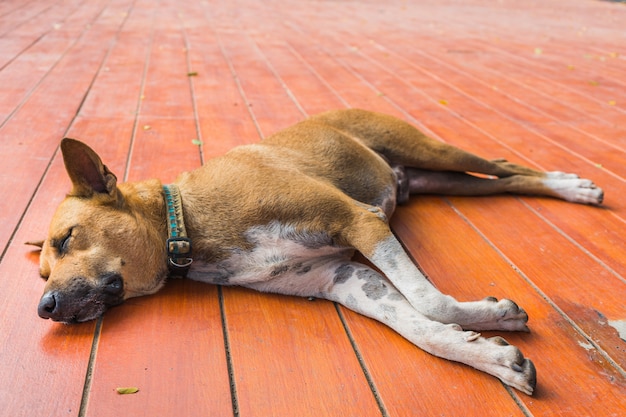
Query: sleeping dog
{"points": [[286, 216]]}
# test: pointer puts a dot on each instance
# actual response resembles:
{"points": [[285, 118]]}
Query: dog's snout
{"points": [[48, 306]]}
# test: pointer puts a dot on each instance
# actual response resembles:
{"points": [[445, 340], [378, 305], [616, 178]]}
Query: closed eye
{"points": [[62, 245]]}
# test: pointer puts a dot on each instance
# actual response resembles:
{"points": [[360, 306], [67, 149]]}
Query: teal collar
{"points": [[178, 244]]}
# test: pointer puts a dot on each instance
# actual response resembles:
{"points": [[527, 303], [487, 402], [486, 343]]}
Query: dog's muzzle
{"points": [[80, 300]]}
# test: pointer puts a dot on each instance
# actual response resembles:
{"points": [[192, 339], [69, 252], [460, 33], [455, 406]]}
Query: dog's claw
{"points": [[529, 376]]}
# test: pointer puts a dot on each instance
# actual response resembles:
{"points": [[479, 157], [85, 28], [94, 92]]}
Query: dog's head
{"points": [[104, 244]]}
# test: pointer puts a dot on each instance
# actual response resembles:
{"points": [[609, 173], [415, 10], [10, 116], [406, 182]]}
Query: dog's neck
{"points": [[147, 201], [178, 244]]}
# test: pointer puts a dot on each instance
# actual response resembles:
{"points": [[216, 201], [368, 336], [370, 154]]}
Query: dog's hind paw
{"points": [[574, 189], [517, 371], [502, 360]]}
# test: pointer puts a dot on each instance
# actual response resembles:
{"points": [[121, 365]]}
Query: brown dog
{"points": [[286, 216]]}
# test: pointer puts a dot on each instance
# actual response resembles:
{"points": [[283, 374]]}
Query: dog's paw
{"points": [[491, 314], [513, 368], [510, 316], [498, 358], [576, 190]]}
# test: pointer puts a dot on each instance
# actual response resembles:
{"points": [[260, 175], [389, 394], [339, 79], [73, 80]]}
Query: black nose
{"points": [[48, 306]]}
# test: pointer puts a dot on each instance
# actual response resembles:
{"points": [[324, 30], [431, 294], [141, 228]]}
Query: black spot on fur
{"points": [[374, 287], [304, 270], [279, 270], [343, 273]]}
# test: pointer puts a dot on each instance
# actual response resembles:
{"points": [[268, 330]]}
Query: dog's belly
{"points": [[282, 260]]}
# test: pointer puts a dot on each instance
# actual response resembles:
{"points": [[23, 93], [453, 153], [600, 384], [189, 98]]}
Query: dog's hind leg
{"points": [[564, 186], [367, 292], [436, 167]]}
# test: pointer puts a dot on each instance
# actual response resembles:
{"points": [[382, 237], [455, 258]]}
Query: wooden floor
{"points": [[541, 82]]}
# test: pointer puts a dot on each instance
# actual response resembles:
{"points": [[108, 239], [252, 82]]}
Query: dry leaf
{"points": [[127, 390], [192, 74], [444, 102]]}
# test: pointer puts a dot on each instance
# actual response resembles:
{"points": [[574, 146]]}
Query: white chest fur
{"points": [[282, 260]]}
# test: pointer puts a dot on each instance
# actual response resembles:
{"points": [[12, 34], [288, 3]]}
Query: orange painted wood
{"points": [[43, 364], [405, 376], [28, 33], [169, 346], [15, 16], [310, 92], [292, 357], [533, 81], [174, 349], [398, 369], [584, 289], [224, 119], [316, 362], [259, 85], [461, 263]]}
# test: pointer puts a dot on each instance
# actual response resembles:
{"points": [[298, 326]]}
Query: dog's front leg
{"points": [[367, 292], [370, 234], [486, 314]]}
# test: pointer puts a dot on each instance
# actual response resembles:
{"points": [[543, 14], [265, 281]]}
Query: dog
{"points": [[286, 216]]}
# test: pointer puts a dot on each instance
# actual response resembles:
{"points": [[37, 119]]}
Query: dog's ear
{"points": [[88, 174]]}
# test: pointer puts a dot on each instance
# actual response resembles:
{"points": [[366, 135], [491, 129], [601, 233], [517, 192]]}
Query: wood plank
{"points": [[175, 351], [317, 361], [45, 116], [577, 284], [462, 264], [283, 343], [268, 101], [20, 77], [17, 16], [311, 92], [43, 364], [563, 263], [170, 346], [223, 116], [401, 394], [62, 17]]}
